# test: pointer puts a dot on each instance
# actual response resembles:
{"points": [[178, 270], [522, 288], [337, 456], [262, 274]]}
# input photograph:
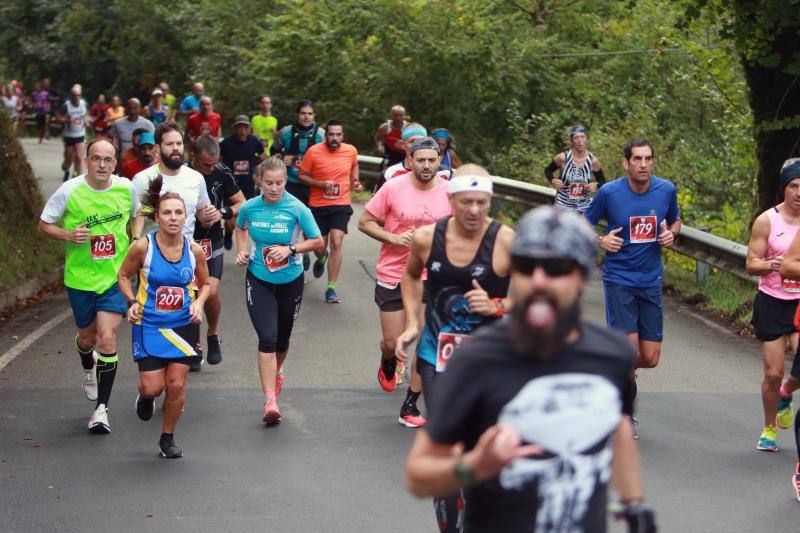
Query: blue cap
{"points": [[146, 138], [414, 130], [441, 133]]}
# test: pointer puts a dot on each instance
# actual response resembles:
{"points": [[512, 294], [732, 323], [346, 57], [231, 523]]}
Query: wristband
{"points": [[227, 213], [501, 307], [131, 302], [464, 474]]}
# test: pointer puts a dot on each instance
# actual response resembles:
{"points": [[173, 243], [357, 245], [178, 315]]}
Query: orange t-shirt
{"points": [[326, 165]]}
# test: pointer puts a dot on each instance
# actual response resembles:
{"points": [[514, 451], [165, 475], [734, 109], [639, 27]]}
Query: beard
{"points": [[172, 161], [334, 145], [546, 341]]}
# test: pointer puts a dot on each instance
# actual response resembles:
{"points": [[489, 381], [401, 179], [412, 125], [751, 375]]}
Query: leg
{"points": [[773, 352], [152, 382], [85, 341], [77, 158], [335, 259], [106, 370], [262, 305], [213, 306], [649, 354], [392, 325], [289, 298], [69, 151], [175, 397]]}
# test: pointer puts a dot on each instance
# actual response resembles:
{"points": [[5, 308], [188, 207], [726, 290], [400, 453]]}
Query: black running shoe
{"points": [[167, 447], [145, 407], [194, 366], [319, 265], [228, 240], [214, 354]]}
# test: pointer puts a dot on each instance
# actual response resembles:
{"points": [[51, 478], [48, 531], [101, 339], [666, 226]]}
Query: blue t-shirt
{"points": [[638, 262], [285, 142], [280, 223], [189, 103]]}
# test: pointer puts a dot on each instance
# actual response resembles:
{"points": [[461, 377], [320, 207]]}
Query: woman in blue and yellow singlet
{"points": [[167, 309]]}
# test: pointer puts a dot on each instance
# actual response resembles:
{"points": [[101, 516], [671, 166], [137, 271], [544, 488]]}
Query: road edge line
{"points": [[32, 337]]}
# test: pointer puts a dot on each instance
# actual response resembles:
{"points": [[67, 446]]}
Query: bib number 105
{"points": [[103, 246]]}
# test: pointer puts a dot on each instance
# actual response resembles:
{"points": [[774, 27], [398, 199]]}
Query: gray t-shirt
{"points": [[123, 129]]}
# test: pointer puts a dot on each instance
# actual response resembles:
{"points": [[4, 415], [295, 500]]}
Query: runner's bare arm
{"points": [[379, 136], [138, 226], [373, 227], [130, 266], [625, 468], [355, 184], [790, 267], [242, 245], [411, 284], [758, 264], [78, 235], [237, 200]]}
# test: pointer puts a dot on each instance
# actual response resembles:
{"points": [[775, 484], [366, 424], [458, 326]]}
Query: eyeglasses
{"points": [[554, 267], [106, 160]]}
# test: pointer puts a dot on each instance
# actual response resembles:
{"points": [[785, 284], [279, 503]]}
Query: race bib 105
{"points": [[103, 246]]}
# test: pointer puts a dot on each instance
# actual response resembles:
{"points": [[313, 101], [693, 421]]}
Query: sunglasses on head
{"points": [[552, 266]]}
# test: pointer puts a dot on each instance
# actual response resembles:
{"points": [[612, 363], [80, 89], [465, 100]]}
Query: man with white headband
{"points": [[467, 257]]}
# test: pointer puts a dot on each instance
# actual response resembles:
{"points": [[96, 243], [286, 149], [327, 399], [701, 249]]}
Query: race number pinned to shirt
{"points": [[271, 264], [332, 192], [577, 190], [448, 342], [103, 246], [169, 299], [205, 244], [790, 285], [241, 167], [643, 229], [77, 122], [297, 160]]}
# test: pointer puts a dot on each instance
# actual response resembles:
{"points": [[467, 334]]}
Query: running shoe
{"points": [[145, 407], [387, 384], [768, 442], [634, 424], [410, 417], [196, 365], [306, 261], [785, 415], [98, 423], [168, 448], [90, 385], [279, 377], [796, 481], [272, 414], [401, 366], [319, 265], [331, 297], [214, 355]]}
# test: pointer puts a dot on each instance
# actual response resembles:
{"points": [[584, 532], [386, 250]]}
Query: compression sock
{"points": [[389, 366], [411, 399], [87, 357], [331, 285], [106, 372], [782, 392]]}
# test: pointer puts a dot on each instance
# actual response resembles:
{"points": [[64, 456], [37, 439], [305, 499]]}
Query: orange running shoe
{"points": [[272, 415]]}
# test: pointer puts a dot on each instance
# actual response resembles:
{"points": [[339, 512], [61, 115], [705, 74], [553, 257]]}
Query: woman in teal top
{"points": [[275, 221]]}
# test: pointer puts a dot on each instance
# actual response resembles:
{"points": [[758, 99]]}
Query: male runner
{"points": [[330, 170], [265, 124], [574, 183], [292, 143], [90, 213], [145, 151], [169, 99], [411, 133], [404, 204], [241, 152], [99, 116], [643, 215], [190, 105], [206, 122], [530, 418], [222, 190], [121, 132], [388, 138], [72, 115]]}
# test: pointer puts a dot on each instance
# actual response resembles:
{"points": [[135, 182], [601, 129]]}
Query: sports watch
{"points": [[293, 248]]}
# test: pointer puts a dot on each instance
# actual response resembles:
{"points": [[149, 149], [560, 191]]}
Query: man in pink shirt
{"points": [[402, 205]]}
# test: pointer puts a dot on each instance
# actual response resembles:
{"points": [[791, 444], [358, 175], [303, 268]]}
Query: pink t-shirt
{"points": [[402, 207], [781, 235]]}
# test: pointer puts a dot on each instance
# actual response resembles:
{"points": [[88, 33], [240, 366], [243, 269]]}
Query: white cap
{"points": [[471, 184], [157, 91]]}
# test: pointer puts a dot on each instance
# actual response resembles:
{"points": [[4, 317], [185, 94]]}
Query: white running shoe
{"points": [[98, 423], [90, 385]]}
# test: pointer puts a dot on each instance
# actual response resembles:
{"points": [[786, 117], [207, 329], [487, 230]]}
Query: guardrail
{"points": [[720, 253]]}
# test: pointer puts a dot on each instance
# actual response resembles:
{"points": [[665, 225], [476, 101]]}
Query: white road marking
{"points": [[25, 343]]}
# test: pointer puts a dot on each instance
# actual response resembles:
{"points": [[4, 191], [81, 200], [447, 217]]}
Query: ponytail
{"points": [[152, 197]]}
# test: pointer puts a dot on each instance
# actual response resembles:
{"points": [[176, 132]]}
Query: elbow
{"points": [[362, 225], [319, 244]]}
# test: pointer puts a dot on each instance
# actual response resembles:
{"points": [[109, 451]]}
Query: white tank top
{"points": [[75, 121]]}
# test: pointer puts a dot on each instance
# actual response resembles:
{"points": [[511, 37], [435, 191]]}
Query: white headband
{"points": [[471, 184]]}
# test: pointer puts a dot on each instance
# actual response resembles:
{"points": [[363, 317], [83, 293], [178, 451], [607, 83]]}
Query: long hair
{"points": [[152, 197]]}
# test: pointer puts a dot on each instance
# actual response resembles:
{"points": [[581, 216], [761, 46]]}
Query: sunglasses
{"points": [[553, 266]]}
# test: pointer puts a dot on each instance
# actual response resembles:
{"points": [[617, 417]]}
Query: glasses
{"points": [[554, 267], [106, 160]]}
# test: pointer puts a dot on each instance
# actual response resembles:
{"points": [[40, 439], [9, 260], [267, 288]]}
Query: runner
{"points": [[222, 190], [146, 154], [775, 304], [447, 145], [190, 105], [265, 124], [169, 99], [391, 217], [643, 215], [41, 107], [241, 152], [574, 185], [98, 115], [115, 111], [157, 111], [72, 116], [330, 170], [292, 143], [13, 105], [388, 138], [206, 122], [121, 132], [166, 311], [531, 411], [90, 214], [274, 281], [411, 133]]}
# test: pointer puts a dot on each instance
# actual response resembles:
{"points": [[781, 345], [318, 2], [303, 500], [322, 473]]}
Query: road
{"points": [[337, 460]]}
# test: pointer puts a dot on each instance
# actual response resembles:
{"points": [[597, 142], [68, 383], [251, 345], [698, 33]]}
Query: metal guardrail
{"points": [[720, 253]]}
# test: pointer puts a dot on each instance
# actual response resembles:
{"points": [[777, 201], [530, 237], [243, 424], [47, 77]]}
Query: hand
{"points": [[134, 312], [404, 341], [403, 239], [612, 242], [557, 183], [591, 187], [196, 310], [288, 160], [242, 258], [775, 263], [357, 186], [80, 234], [211, 215], [498, 446], [479, 301], [666, 237], [279, 253], [329, 184]]}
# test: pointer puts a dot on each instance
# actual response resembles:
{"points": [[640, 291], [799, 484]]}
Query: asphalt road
{"points": [[336, 461]]}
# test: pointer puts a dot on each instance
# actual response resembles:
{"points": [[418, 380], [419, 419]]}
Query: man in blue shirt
{"points": [[643, 215], [191, 104]]}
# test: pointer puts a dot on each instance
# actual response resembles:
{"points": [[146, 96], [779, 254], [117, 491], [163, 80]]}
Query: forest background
{"points": [[508, 78]]}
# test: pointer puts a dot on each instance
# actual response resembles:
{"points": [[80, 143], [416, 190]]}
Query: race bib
{"points": [[448, 342], [205, 244], [273, 266], [169, 299], [205, 128], [103, 246], [76, 121], [296, 161], [332, 192], [790, 285], [577, 190], [643, 229], [241, 167]]}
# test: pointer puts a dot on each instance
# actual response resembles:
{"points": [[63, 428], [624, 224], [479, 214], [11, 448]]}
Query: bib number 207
{"points": [[169, 299]]}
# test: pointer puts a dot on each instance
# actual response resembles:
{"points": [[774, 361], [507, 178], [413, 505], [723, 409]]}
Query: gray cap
{"points": [[425, 143], [241, 119], [547, 232]]}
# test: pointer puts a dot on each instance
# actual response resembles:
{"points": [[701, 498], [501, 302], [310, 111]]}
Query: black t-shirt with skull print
{"points": [[570, 404]]}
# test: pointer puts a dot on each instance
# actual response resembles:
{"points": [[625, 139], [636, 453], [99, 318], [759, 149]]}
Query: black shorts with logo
{"points": [[332, 217], [773, 317], [72, 141], [390, 300]]}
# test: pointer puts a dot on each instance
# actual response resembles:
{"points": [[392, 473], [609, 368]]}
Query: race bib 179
{"points": [[643, 229]]}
